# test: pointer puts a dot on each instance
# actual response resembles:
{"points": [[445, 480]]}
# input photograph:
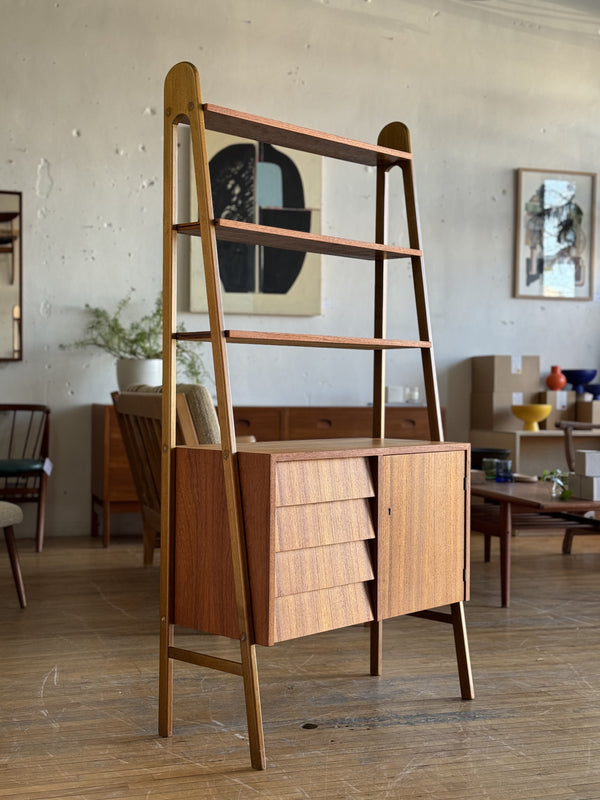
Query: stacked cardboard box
{"points": [[585, 483], [499, 382], [563, 407], [588, 411]]}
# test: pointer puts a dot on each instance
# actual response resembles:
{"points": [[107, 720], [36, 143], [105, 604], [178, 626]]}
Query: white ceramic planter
{"points": [[138, 370]]}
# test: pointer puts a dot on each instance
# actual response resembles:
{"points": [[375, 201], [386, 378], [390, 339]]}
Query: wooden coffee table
{"points": [[531, 505]]}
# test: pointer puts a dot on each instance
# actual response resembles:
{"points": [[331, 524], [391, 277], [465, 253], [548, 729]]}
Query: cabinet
{"points": [[268, 542], [336, 534], [112, 483]]}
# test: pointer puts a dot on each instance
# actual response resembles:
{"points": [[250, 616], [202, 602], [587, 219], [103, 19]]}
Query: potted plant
{"points": [[560, 483], [137, 345]]}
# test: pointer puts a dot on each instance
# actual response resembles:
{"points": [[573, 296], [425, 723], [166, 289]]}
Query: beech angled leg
{"points": [[463, 657], [253, 707]]}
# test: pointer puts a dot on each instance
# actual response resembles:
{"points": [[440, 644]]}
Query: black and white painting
{"points": [[267, 185]]}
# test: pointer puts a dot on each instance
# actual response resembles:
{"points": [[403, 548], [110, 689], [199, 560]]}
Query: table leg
{"points": [[505, 545]]}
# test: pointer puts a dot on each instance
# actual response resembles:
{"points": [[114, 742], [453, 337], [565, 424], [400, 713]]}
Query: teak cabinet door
{"points": [[422, 547]]}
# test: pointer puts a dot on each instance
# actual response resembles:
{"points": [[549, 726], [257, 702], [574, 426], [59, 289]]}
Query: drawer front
{"points": [[262, 422], [298, 571], [318, 524], [402, 422], [323, 423], [322, 480], [322, 610]]}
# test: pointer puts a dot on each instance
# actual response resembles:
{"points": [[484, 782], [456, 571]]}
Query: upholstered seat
{"points": [[11, 515]]}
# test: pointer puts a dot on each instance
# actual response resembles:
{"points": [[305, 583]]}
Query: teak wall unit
{"points": [[270, 541]]}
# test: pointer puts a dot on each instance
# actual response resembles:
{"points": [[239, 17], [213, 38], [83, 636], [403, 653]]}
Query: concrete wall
{"points": [[483, 88]]}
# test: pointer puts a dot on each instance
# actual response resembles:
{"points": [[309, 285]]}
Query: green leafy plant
{"points": [[140, 338], [560, 481]]}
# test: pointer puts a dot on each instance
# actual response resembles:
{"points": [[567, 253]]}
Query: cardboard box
{"points": [[588, 411], [588, 487], [587, 462], [491, 411], [505, 374], [563, 407]]}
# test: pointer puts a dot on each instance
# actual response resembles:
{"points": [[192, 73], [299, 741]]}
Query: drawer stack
{"points": [[319, 554]]}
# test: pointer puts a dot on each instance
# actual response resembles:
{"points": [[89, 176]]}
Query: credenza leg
{"points": [[376, 647], [463, 657]]}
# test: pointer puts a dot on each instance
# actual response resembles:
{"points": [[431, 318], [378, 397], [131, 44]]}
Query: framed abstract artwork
{"points": [[554, 247], [259, 183]]}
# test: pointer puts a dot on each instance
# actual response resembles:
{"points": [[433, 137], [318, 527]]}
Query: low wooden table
{"points": [[526, 505]]}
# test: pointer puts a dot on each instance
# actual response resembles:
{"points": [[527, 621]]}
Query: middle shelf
{"points": [[229, 230]]}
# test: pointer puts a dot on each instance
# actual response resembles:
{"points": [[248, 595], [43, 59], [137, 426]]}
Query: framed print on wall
{"points": [[554, 248], [274, 186]]}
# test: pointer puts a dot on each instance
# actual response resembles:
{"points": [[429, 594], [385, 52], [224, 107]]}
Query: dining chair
{"points": [[24, 459]]}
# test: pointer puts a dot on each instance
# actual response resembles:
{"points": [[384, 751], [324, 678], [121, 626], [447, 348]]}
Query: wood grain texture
{"points": [[238, 123], [307, 340], [322, 523], [323, 610], [203, 595], [302, 482], [422, 552], [315, 568], [230, 230]]}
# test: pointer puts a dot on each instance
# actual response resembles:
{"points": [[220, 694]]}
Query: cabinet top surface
{"points": [[340, 448]]}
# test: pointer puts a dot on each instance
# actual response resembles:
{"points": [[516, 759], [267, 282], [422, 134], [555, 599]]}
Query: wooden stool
{"points": [[10, 515]]}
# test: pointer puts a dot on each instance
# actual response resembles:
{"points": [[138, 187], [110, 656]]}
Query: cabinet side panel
{"points": [[262, 422], [204, 595], [421, 548], [259, 524]]}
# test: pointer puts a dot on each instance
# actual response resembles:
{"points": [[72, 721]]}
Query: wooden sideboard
{"points": [[282, 423], [112, 483]]}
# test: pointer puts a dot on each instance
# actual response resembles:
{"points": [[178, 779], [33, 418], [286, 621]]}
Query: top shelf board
{"points": [[237, 123]]}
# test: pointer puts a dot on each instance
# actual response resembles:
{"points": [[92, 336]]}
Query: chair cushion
{"points": [[10, 514], [10, 467], [202, 409]]}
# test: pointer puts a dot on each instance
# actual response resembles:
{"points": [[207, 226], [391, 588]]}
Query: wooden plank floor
{"points": [[78, 692]]}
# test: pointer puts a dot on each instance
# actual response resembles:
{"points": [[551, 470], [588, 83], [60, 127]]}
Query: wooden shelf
{"points": [[306, 340], [237, 123], [298, 537], [229, 230]]}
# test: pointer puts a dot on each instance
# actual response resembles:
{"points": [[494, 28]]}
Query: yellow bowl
{"points": [[531, 414]]}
